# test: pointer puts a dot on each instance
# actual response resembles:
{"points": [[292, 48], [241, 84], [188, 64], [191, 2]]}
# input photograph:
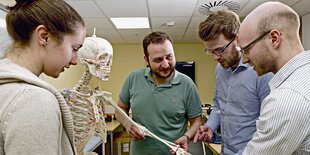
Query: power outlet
{"points": [[126, 147]]}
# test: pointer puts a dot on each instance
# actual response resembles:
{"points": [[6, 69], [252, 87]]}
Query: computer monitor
{"points": [[187, 68]]}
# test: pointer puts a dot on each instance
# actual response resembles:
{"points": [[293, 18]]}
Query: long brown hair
{"points": [[56, 15]]}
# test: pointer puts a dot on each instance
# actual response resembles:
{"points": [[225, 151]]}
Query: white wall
{"points": [[4, 37], [306, 31]]}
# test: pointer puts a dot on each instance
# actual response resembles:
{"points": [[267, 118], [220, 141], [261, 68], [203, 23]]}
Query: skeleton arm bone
{"points": [[176, 148]]}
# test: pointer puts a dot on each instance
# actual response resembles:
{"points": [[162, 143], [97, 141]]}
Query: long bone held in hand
{"points": [[176, 148]]}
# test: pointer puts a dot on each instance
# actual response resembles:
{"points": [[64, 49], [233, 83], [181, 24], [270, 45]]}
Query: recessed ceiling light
{"points": [[131, 23], [2, 23]]}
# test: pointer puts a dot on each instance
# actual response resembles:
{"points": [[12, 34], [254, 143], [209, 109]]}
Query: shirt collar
{"points": [[175, 80], [241, 66], [297, 61]]}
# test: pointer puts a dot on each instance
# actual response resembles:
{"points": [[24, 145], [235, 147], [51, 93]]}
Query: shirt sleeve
{"points": [[124, 95], [214, 118], [32, 124], [263, 86], [282, 125], [194, 104]]}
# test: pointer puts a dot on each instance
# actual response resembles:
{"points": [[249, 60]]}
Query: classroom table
{"points": [[215, 148]]}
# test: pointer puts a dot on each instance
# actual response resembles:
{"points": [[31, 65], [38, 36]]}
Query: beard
{"points": [[266, 62], [231, 58], [167, 74]]}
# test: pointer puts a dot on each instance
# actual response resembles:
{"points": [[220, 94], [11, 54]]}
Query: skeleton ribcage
{"points": [[88, 116]]}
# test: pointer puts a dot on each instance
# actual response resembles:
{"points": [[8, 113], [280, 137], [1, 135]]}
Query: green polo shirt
{"points": [[163, 109]]}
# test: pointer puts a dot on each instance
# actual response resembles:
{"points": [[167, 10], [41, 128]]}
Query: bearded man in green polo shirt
{"points": [[161, 99]]}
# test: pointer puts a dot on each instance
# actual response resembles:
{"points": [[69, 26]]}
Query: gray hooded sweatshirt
{"points": [[34, 117]]}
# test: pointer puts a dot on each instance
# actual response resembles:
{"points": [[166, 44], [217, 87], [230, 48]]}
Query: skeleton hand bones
{"points": [[176, 148]]}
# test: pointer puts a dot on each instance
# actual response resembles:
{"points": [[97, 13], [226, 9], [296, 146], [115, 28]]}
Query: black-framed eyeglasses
{"points": [[245, 50], [219, 51]]}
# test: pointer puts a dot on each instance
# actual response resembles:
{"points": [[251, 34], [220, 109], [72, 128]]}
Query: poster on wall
{"points": [[4, 39]]}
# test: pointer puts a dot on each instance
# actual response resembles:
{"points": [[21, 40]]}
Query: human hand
{"points": [[134, 132], [204, 134], [182, 142]]}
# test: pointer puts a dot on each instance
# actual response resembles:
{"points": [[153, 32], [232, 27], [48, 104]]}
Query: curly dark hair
{"points": [[157, 37]]}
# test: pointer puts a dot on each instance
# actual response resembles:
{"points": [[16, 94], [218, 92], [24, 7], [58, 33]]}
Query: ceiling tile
{"points": [[110, 35], [123, 8], [191, 32], [179, 22], [191, 39], [102, 32], [203, 2], [101, 23], [134, 36], [184, 13], [175, 33], [247, 7], [163, 8], [290, 2], [250, 6], [302, 7], [191, 35], [196, 21], [87, 8], [199, 3]]}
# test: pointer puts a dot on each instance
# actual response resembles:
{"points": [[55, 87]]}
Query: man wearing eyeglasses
{"points": [[239, 91], [269, 39]]}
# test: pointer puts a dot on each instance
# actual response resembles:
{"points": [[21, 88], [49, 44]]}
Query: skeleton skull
{"points": [[96, 53]]}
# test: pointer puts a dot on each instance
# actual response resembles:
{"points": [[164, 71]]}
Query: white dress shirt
{"points": [[283, 127]]}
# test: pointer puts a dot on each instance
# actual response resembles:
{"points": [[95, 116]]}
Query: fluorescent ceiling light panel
{"points": [[2, 23], [131, 23]]}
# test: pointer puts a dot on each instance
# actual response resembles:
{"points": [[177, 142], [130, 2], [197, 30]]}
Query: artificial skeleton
{"points": [[86, 104]]}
